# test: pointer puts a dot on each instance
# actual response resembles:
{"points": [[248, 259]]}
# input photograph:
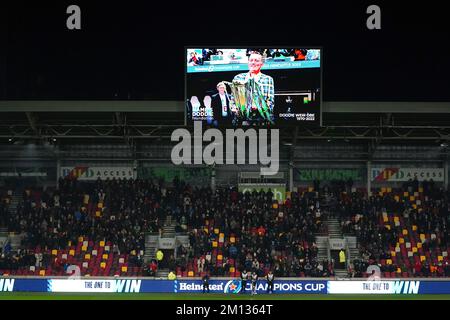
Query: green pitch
{"points": [[212, 296]]}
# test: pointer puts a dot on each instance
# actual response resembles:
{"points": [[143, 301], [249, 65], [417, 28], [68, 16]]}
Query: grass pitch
{"points": [[211, 296]]}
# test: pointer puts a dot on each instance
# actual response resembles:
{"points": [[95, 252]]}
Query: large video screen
{"points": [[263, 87]]}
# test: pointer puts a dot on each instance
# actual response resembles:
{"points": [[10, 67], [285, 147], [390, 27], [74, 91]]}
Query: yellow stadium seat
{"points": [[232, 269], [102, 243], [385, 219], [84, 248], [87, 256], [440, 258], [214, 244], [72, 252], [388, 261], [405, 232], [80, 239], [412, 198], [414, 227], [401, 240], [275, 206], [383, 190], [388, 226], [397, 198], [221, 235], [54, 252], [399, 270], [190, 273], [216, 231], [124, 268], [422, 258], [206, 230], [419, 245], [100, 205], [98, 213], [103, 265], [389, 189], [393, 253], [396, 219], [420, 189], [219, 257], [405, 194], [310, 189], [232, 239], [69, 243], [414, 249], [422, 236], [105, 256], [414, 206], [133, 253], [42, 273]]}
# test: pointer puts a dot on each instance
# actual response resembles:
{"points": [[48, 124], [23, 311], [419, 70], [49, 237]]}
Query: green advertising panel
{"points": [[328, 174], [278, 190], [191, 175]]}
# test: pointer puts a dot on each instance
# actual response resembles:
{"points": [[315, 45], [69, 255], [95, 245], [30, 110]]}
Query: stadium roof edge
{"points": [[177, 106]]}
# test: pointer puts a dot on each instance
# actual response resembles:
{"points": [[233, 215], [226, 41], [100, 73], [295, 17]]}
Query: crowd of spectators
{"points": [[362, 216], [266, 235]]}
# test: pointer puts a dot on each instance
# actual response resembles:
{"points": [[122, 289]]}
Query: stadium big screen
{"points": [[265, 87]]}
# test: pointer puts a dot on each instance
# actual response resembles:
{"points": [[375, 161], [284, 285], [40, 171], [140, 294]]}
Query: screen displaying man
{"points": [[260, 99]]}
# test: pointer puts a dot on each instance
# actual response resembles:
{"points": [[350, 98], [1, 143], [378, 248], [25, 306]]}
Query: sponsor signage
{"points": [[93, 285], [85, 173], [230, 286], [337, 244], [328, 174], [166, 243], [396, 174], [374, 287], [235, 286], [278, 190], [168, 174]]}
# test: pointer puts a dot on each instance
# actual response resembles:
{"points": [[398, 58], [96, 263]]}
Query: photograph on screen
{"points": [[263, 87]]}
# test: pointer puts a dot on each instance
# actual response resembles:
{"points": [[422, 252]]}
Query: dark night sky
{"points": [[137, 47]]}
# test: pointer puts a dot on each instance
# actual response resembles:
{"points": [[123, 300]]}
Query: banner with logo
{"points": [[389, 287], [85, 173], [166, 243], [168, 174], [328, 174], [337, 244], [396, 174], [278, 190], [24, 172], [230, 286]]}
